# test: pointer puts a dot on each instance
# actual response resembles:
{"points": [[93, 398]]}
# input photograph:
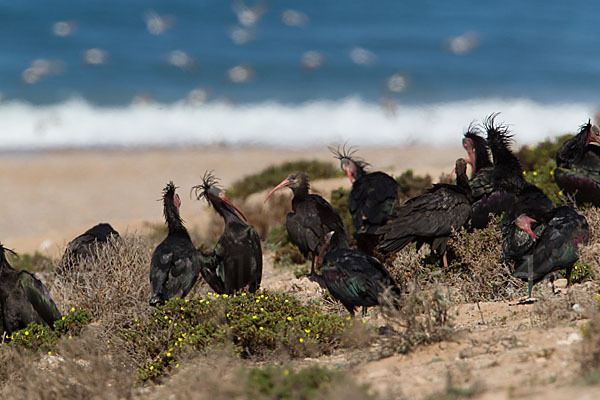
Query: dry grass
{"points": [[113, 284], [577, 302], [80, 369], [476, 272], [422, 318]]}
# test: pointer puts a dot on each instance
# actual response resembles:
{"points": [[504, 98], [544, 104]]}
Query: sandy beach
{"points": [[54, 196]]}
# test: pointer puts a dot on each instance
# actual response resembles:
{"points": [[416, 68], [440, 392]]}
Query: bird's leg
{"points": [[568, 272], [552, 284], [445, 260], [312, 265], [364, 311]]}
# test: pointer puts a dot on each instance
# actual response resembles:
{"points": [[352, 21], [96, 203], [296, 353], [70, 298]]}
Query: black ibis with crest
{"points": [[312, 217], [354, 278], [175, 263], [373, 199], [578, 165], [23, 299], [481, 181], [236, 262], [431, 217]]}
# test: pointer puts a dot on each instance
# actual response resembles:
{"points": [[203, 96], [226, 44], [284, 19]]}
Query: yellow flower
{"points": [[576, 268], [108, 341], [597, 298], [260, 328], [176, 365], [217, 296], [135, 320], [170, 321], [552, 172], [72, 309], [207, 302], [186, 300], [166, 317], [180, 339], [63, 318], [286, 301], [534, 173], [210, 293], [289, 318], [257, 300], [228, 314], [266, 297], [181, 308], [262, 309], [70, 337], [201, 300], [307, 330], [155, 320], [175, 324], [225, 296], [183, 334], [317, 336], [364, 322], [254, 317], [524, 172], [26, 333], [243, 294], [560, 193], [286, 372], [168, 354], [348, 318], [49, 353], [301, 340], [151, 367]]}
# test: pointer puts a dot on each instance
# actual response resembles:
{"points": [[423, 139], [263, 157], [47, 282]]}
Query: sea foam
{"points": [[78, 124]]}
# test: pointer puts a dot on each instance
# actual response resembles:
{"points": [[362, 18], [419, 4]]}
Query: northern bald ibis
{"points": [[175, 263], [311, 218], [236, 261], [83, 245], [431, 217], [354, 278], [578, 165], [373, 199], [23, 299]]}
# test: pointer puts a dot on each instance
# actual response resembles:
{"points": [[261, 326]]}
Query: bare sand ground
{"points": [[51, 197]]}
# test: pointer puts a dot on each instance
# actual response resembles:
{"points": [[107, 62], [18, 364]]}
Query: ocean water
{"points": [[291, 74]]}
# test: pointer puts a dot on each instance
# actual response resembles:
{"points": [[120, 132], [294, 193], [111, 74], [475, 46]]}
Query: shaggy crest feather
{"points": [[343, 152], [208, 181]]}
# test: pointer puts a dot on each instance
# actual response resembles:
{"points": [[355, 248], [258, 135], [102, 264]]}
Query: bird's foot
{"points": [[524, 301]]}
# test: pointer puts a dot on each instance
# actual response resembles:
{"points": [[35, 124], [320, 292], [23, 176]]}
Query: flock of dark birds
{"points": [[538, 238]]}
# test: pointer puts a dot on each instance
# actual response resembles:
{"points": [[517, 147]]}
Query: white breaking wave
{"points": [[77, 124]]}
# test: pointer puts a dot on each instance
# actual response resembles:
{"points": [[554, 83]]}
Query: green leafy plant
{"points": [[272, 175], [255, 324]]}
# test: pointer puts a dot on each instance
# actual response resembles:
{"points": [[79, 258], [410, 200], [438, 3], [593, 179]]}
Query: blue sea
{"points": [[80, 74]]}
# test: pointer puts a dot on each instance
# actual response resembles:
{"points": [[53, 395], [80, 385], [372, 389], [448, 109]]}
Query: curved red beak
{"points": [[283, 183], [226, 200], [349, 173], [524, 222]]}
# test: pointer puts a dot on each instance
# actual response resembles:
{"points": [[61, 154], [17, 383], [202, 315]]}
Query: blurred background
{"points": [[291, 73]]}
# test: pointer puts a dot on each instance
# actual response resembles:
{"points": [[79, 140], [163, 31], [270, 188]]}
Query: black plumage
{"points": [[504, 182], [312, 217], [578, 165], [430, 217], [23, 299], [236, 262], [83, 246], [354, 278], [373, 199], [483, 199], [175, 263], [516, 243], [557, 240]]}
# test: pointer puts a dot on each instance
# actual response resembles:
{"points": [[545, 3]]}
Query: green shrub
{"points": [[410, 185], [308, 383], [32, 263], [41, 337], [272, 175], [534, 157], [255, 324], [339, 202], [543, 177]]}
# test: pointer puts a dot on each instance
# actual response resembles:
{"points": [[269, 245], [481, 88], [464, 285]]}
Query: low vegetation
{"points": [[272, 175]]}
